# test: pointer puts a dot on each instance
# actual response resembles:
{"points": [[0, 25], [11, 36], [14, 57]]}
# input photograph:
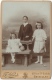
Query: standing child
{"points": [[13, 46], [40, 40]]}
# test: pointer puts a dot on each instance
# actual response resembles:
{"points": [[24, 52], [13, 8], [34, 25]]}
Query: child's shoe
{"points": [[37, 62], [13, 60], [41, 62]]}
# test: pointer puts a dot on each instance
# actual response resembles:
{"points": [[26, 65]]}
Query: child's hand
{"points": [[22, 48], [26, 36]]}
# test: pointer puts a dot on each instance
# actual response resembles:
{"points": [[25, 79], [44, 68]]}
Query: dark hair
{"points": [[26, 17], [14, 34], [41, 25]]}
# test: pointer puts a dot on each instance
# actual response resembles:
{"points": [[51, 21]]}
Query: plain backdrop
{"points": [[12, 17]]}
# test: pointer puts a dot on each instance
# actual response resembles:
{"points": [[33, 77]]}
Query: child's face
{"points": [[13, 36], [25, 20], [39, 25]]}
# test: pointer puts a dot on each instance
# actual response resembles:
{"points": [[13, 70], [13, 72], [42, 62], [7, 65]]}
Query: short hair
{"points": [[40, 23], [26, 17], [14, 34]]}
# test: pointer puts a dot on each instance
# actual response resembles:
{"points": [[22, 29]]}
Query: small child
{"points": [[40, 39], [14, 45]]}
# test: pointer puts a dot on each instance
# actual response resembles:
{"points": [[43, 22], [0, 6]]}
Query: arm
{"points": [[30, 32], [9, 43], [33, 37], [44, 36], [19, 34], [20, 44], [45, 39]]}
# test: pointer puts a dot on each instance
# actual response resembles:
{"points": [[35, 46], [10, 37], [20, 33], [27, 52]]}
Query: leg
{"points": [[41, 59], [30, 56], [3, 61], [13, 57], [38, 59], [25, 63], [31, 46], [31, 53]]}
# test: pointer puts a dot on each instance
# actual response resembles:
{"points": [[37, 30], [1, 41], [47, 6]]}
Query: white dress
{"points": [[39, 44], [13, 45]]}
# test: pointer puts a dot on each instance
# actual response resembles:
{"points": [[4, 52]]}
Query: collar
{"points": [[25, 24]]}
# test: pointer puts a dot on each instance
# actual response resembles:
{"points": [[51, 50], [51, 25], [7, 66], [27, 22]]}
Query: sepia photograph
{"points": [[25, 35]]}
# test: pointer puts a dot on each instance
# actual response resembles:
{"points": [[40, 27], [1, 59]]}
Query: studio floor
{"points": [[32, 66]]}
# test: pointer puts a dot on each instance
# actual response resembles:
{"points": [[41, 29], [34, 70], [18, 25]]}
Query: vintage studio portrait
{"points": [[25, 35]]}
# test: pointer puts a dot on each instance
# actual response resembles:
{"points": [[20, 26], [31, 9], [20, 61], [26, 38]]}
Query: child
{"points": [[13, 46], [40, 38]]}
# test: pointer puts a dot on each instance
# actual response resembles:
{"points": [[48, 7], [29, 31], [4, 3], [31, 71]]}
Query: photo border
{"points": [[24, 74]]}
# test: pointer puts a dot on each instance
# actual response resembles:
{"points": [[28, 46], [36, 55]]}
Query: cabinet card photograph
{"points": [[26, 38]]}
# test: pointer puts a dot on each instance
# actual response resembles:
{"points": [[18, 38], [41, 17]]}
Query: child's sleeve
{"points": [[44, 35]]}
